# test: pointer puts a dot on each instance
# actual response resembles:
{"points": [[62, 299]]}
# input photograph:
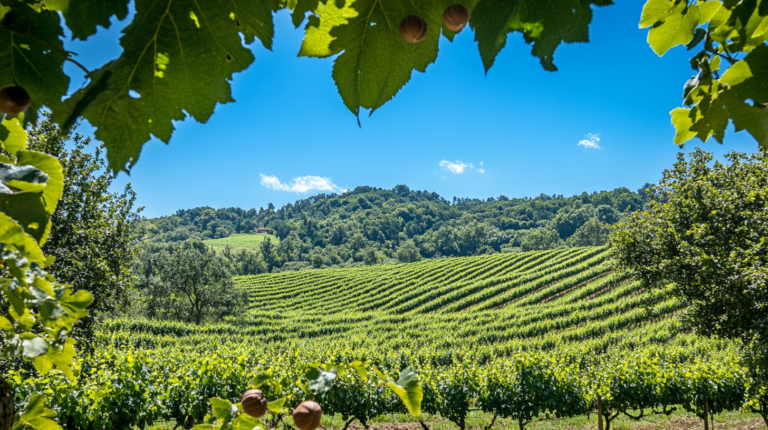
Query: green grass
{"points": [[241, 241], [476, 420]]}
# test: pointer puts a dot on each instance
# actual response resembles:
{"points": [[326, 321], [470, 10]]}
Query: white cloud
{"points": [[457, 168], [590, 141], [481, 170], [302, 184]]}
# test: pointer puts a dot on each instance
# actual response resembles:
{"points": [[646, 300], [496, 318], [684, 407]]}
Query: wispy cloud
{"points": [[481, 170], [456, 168], [591, 141], [301, 184]]}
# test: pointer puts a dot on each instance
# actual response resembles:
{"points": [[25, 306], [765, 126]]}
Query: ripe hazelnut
{"points": [[14, 100], [456, 17], [413, 29], [254, 403], [307, 415]]}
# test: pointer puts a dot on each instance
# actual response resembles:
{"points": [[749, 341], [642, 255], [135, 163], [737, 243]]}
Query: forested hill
{"points": [[372, 225]]}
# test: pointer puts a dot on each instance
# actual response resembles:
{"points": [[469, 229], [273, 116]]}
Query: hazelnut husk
{"points": [[456, 17], [307, 415], [14, 100], [254, 403], [413, 29]]}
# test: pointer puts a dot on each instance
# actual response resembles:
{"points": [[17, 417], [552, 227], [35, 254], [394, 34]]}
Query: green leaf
{"points": [[76, 304], [375, 61], [13, 137], [408, 388], [320, 380], [54, 188], [178, 58], [255, 20], [676, 28], [223, 409], [28, 210], [245, 422], [708, 9], [543, 24], [37, 416], [655, 11], [276, 406], [317, 39], [302, 7], [43, 364], [12, 234], [5, 324], [749, 77], [753, 119], [34, 347], [82, 16], [361, 368], [10, 172], [32, 55]]}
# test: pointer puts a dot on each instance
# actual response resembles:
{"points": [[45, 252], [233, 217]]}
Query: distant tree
{"points": [[592, 233], [607, 214], [539, 239], [189, 283], [707, 237], [267, 252], [94, 233], [407, 252], [566, 222], [371, 257]]}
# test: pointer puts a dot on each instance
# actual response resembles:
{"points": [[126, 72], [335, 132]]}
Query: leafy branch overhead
{"points": [[731, 83], [179, 56]]}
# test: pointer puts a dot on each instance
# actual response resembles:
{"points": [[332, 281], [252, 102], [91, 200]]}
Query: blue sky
{"points": [[454, 130]]}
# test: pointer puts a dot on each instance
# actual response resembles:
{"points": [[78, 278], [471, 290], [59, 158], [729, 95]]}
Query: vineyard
{"points": [[520, 336]]}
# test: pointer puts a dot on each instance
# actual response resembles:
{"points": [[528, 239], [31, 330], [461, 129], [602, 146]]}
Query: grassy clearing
{"points": [[241, 241]]}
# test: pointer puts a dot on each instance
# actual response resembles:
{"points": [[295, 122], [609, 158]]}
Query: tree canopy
{"points": [[708, 235], [396, 225]]}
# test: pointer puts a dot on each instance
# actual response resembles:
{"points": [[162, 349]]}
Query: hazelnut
{"points": [[307, 415], [14, 100], [413, 29], [456, 17]]}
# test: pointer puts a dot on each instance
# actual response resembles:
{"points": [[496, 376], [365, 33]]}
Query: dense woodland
{"points": [[372, 225]]}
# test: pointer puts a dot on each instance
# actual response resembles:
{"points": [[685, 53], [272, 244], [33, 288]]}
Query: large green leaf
{"points": [[408, 388], [37, 416], [54, 187], [12, 136], [82, 16], [254, 19], [676, 28], [276, 406], [375, 61], [32, 55], [28, 210], [749, 77], [545, 24], [178, 58], [12, 234]]}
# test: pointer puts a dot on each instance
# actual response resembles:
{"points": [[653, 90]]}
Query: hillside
{"points": [[471, 327], [368, 226], [239, 241]]}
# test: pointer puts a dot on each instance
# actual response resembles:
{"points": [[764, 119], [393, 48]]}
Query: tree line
{"points": [[371, 225]]}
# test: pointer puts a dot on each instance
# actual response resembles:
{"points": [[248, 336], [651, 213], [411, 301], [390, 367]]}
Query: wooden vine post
{"points": [[706, 415], [599, 412]]}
